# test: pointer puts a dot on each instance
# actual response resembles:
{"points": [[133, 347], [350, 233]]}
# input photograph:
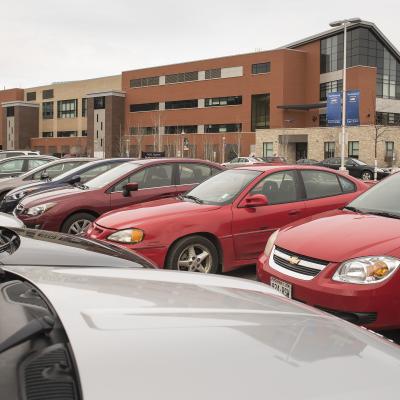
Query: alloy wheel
{"points": [[195, 258], [79, 226]]}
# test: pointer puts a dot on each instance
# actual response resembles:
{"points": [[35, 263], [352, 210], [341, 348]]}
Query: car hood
{"points": [[168, 334], [339, 235], [10, 221], [51, 195], [152, 211]]}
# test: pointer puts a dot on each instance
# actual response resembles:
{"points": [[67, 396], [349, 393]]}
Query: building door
{"points": [[301, 150]]}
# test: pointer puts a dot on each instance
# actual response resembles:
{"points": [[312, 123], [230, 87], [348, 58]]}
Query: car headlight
{"points": [[129, 236], [40, 209], [365, 270], [271, 242]]}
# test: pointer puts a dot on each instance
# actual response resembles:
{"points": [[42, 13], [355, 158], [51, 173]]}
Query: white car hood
{"points": [[151, 334]]}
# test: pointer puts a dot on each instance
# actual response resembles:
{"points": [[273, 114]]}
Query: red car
{"points": [[71, 210], [344, 261], [224, 222]]}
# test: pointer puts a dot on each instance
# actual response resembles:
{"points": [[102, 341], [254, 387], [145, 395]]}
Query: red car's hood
{"points": [[163, 210], [340, 235], [51, 195]]}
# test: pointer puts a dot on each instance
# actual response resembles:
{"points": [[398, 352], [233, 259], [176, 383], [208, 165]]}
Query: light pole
{"points": [[345, 23], [223, 149], [183, 141]]}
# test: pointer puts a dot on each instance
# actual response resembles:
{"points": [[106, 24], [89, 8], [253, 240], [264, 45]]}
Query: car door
{"points": [[252, 226], [191, 174], [325, 191], [353, 168], [155, 182]]}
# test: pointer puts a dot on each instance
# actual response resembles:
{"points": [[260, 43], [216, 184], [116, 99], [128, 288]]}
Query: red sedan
{"points": [[224, 223], [344, 261], [71, 210]]}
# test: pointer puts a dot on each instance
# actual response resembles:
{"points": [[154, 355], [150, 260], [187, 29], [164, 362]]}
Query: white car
{"points": [[10, 221], [243, 161], [14, 153]]}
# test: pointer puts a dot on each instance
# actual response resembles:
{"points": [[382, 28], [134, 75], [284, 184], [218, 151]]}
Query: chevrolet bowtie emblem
{"points": [[294, 260]]}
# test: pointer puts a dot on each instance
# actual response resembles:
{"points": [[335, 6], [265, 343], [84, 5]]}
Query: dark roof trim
{"points": [[302, 107], [330, 32]]}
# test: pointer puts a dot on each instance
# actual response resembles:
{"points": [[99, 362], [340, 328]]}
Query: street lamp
{"points": [[345, 23], [183, 141]]}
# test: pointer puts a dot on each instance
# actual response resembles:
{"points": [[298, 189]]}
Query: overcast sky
{"points": [[46, 41]]}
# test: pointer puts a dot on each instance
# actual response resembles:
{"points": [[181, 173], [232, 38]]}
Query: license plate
{"points": [[282, 287]]}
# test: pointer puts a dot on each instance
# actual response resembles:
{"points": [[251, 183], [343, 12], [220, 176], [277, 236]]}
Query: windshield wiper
{"points": [[36, 327], [188, 196], [384, 214], [354, 209]]}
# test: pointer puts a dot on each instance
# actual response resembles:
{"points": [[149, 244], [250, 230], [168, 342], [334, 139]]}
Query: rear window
{"points": [[320, 184]]}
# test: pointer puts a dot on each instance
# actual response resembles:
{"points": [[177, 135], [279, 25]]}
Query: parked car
{"points": [[44, 172], [307, 161], [72, 209], [14, 153], [15, 166], [243, 161], [224, 223], [274, 160], [10, 221], [356, 168], [78, 175], [232, 338], [344, 261]]}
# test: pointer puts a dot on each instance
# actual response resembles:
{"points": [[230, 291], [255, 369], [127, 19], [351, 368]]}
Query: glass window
{"points": [[193, 173], [214, 73], [329, 149], [47, 110], [84, 107], [143, 82], [261, 68], [182, 77], [389, 149], [109, 176], [181, 104], [268, 149], [12, 166], [143, 107], [223, 101], [34, 163], [30, 96], [67, 133], [347, 185], [353, 149], [10, 111], [260, 110], [67, 108], [99, 103], [223, 128], [280, 187], [47, 94], [172, 130], [320, 184], [93, 172]]}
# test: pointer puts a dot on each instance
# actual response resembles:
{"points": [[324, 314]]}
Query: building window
{"points": [[84, 107], [389, 150], [259, 111], [47, 110], [67, 133], [353, 149], [329, 149], [10, 111], [99, 103], [268, 149], [30, 96], [223, 101], [47, 94], [143, 107], [223, 128], [47, 134], [182, 77], [383, 118], [143, 130], [329, 87], [143, 82], [322, 120], [67, 108], [170, 105], [172, 130], [84, 133], [261, 68], [214, 73]]}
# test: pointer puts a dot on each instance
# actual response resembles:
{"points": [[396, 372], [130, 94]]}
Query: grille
{"points": [[49, 376], [304, 266], [19, 292]]}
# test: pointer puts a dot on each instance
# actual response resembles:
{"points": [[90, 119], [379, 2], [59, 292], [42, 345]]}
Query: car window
{"points": [[12, 166], [57, 169], [235, 160], [93, 172], [320, 184], [280, 187], [193, 173], [150, 177], [347, 185], [34, 163]]}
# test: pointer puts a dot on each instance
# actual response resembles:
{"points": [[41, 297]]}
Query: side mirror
{"points": [[130, 187], [74, 179], [44, 176], [254, 200]]}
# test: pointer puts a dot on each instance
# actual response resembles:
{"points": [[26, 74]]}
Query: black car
{"points": [[15, 166], [356, 168], [80, 174]]}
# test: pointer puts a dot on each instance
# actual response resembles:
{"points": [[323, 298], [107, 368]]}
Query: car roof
{"points": [[172, 327], [144, 161], [33, 156], [285, 167]]}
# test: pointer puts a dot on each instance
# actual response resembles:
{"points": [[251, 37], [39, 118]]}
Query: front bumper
{"points": [[375, 306]]}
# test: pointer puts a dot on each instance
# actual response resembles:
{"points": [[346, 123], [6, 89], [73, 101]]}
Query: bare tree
{"points": [[157, 119], [138, 132]]}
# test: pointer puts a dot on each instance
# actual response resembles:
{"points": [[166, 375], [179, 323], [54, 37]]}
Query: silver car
{"points": [[101, 333]]}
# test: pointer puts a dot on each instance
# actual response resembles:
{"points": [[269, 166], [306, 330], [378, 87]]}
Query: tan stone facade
{"points": [[285, 142]]}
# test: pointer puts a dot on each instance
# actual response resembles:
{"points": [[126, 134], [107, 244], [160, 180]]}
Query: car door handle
{"points": [[294, 212]]}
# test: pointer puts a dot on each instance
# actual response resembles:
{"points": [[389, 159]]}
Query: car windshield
{"points": [[358, 162], [38, 169], [381, 198], [224, 187], [112, 174]]}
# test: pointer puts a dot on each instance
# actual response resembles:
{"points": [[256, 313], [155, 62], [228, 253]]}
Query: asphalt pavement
{"points": [[248, 272]]}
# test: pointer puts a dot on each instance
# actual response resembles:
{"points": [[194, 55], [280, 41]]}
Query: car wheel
{"points": [[193, 254], [77, 223], [366, 175]]}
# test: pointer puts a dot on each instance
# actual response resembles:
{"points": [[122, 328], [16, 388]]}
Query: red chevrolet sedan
{"points": [[71, 210], [224, 223], [344, 261]]}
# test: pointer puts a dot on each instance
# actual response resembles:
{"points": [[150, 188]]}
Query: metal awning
{"points": [[302, 107]]}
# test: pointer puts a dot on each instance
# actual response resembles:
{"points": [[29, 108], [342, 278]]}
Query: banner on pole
{"points": [[334, 109], [353, 107]]}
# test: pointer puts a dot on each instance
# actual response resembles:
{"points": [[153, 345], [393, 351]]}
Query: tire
{"points": [[182, 255], [367, 175], [76, 223]]}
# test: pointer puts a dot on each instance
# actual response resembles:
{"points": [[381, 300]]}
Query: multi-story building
{"points": [[271, 102]]}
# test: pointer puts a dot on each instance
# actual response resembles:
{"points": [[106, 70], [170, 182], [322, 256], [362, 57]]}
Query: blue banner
{"points": [[334, 109], [353, 107]]}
